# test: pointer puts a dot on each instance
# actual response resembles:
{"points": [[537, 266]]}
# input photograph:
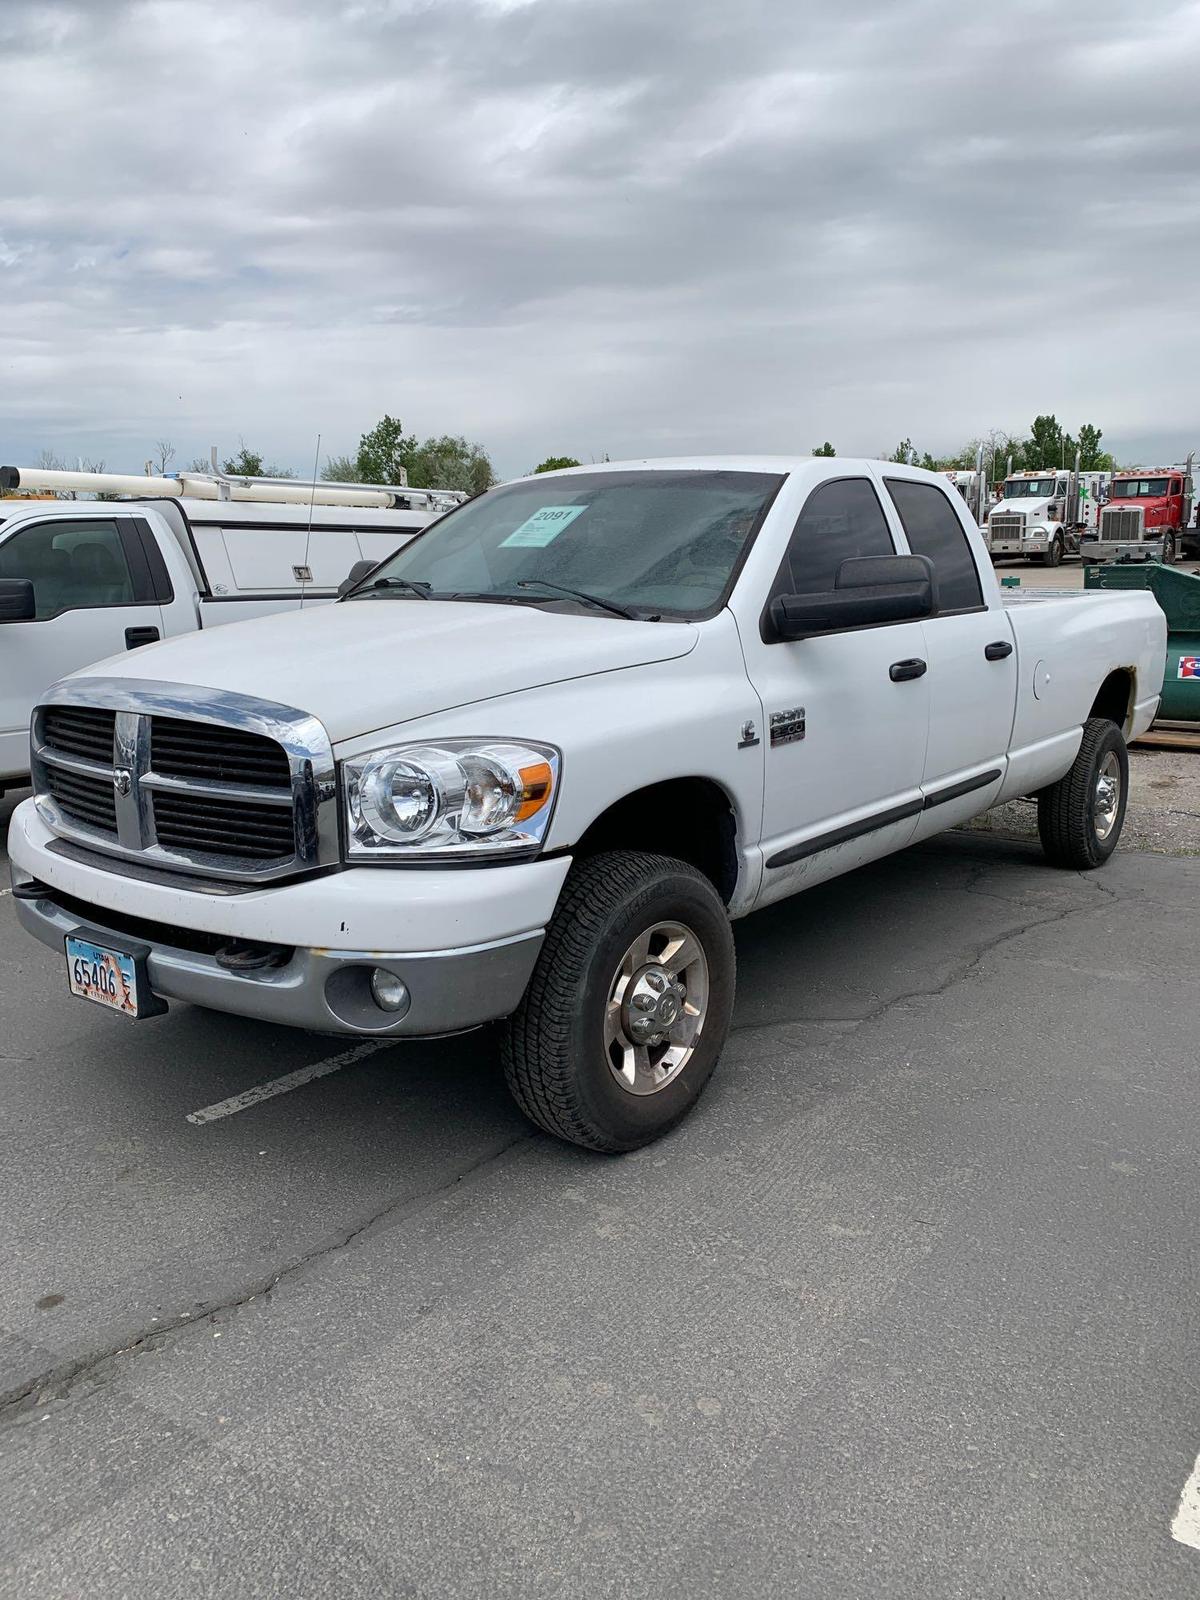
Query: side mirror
{"points": [[357, 573], [868, 591], [17, 602]]}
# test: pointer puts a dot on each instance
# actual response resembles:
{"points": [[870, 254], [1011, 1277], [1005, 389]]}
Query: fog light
{"points": [[389, 992]]}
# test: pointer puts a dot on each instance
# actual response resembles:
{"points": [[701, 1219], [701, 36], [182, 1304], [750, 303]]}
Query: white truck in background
{"points": [[81, 580], [1043, 515]]}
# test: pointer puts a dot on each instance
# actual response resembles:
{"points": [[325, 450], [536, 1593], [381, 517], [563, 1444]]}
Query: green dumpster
{"points": [[1178, 593]]}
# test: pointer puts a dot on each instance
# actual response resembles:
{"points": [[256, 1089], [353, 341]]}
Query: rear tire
{"points": [[1080, 817], [632, 933]]}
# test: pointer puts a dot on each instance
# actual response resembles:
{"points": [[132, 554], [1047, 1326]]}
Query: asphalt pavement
{"points": [[906, 1308]]}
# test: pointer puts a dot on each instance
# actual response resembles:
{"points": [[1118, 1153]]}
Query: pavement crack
{"points": [[956, 976], [62, 1376]]}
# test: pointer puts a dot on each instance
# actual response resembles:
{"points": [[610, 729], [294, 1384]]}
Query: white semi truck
{"points": [[1043, 515]]}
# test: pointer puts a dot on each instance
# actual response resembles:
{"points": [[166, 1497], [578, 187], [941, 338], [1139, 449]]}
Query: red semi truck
{"points": [[1145, 511]]}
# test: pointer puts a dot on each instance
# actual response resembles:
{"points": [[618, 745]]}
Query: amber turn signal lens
{"points": [[535, 789]]}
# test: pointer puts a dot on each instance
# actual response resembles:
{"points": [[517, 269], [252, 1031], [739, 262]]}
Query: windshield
{"points": [[1137, 488], [658, 543], [1028, 488]]}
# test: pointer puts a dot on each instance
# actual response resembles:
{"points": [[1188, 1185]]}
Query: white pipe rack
{"points": [[220, 486]]}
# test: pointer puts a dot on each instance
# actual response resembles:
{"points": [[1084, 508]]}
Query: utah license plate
{"points": [[105, 976]]}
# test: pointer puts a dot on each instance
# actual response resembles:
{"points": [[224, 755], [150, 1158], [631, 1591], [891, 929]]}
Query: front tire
{"points": [[629, 1004], [1054, 555], [1080, 817], [1168, 553]]}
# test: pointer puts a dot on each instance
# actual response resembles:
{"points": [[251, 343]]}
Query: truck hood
{"points": [[1032, 508], [1150, 508], [368, 664]]}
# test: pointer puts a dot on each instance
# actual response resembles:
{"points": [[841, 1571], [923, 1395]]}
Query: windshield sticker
{"points": [[543, 526]]}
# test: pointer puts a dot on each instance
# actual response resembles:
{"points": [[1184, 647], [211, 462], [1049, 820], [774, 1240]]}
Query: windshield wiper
{"points": [[411, 585], [578, 594]]}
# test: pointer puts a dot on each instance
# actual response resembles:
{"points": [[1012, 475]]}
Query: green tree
{"points": [[246, 464], [1091, 457], [903, 452], [556, 463], [928, 462], [1047, 443], [825, 449], [385, 454], [340, 469], [450, 462], [249, 464]]}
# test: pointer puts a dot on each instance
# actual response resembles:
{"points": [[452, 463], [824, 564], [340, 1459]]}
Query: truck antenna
{"points": [[308, 534]]}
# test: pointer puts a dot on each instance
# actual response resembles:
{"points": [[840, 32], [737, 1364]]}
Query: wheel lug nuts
{"points": [[656, 982], [643, 1002]]}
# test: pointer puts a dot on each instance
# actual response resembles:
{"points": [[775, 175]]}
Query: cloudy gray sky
{"points": [[589, 226]]}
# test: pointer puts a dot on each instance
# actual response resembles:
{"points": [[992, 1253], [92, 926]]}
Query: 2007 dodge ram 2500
{"points": [[536, 762]]}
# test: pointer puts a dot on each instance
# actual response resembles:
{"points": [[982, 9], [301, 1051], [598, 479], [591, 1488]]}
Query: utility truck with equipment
{"points": [[532, 768], [82, 579]]}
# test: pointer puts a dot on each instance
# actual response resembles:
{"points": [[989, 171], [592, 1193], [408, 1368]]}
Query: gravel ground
{"points": [[1164, 806]]}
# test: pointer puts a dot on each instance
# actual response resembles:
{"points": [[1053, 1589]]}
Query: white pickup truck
{"points": [[533, 767], [80, 580]]}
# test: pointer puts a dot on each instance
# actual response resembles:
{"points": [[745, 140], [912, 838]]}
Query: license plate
{"points": [[105, 976]]}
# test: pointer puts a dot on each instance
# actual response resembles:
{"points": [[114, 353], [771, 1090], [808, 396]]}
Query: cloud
{"points": [[595, 225]]}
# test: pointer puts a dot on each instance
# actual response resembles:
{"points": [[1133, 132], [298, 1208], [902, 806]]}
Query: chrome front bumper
{"points": [[1018, 547], [321, 989]]}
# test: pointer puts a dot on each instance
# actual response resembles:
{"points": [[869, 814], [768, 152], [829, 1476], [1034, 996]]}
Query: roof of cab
{"points": [[760, 463]]}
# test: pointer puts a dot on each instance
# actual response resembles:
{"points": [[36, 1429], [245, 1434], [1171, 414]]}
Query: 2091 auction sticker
{"points": [[543, 526], [1189, 667]]}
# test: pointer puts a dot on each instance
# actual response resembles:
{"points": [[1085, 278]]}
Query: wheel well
{"points": [[689, 818], [1115, 698]]}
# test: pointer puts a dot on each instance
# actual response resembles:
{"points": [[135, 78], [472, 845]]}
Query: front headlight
{"points": [[448, 799]]}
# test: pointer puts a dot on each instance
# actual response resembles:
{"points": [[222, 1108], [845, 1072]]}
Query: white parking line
{"points": [[1186, 1527], [291, 1080]]}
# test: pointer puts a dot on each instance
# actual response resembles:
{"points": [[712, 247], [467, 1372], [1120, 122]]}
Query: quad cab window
{"points": [[840, 521], [932, 529]]}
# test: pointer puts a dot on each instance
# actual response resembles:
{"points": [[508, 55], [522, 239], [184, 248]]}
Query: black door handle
{"points": [[997, 651], [901, 671], [136, 636]]}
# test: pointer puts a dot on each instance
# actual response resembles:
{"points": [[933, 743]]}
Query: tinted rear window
{"points": [[933, 529]]}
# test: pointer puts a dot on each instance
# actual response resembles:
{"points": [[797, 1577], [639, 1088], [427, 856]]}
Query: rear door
{"points": [[94, 597], [972, 660]]}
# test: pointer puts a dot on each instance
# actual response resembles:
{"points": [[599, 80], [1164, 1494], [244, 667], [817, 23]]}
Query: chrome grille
{"points": [[192, 821], [80, 731], [180, 749], [184, 778], [1121, 522], [1007, 524], [86, 798]]}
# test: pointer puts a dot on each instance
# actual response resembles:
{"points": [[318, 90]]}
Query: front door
{"points": [[846, 715], [972, 676], [92, 590]]}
